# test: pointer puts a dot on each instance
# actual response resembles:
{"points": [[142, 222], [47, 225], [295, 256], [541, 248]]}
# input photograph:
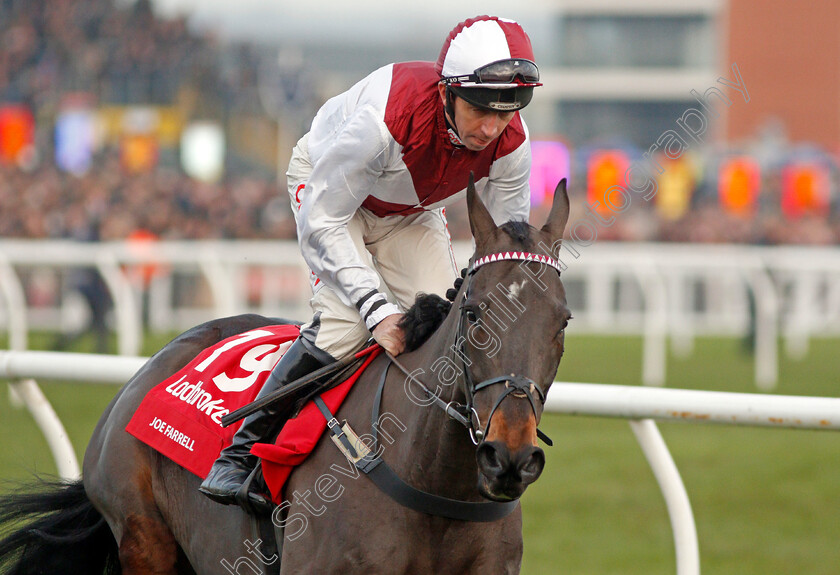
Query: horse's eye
{"points": [[563, 327], [471, 316]]}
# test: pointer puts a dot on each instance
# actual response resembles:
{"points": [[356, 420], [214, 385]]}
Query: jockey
{"points": [[368, 184]]}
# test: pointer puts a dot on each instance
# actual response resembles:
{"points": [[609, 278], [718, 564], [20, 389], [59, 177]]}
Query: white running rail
{"points": [[658, 291], [640, 405]]}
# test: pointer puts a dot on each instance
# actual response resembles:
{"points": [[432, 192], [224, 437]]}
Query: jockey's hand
{"points": [[390, 335]]}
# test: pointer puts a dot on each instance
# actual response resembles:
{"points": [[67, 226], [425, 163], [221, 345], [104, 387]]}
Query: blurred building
{"points": [[790, 53], [625, 70]]}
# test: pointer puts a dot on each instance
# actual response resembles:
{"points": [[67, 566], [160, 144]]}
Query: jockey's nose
{"points": [[490, 125]]}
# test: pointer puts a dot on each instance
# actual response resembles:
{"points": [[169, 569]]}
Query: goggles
{"points": [[500, 72]]}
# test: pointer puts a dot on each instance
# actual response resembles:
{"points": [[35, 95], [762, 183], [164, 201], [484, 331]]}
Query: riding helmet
{"points": [[488, 61]]}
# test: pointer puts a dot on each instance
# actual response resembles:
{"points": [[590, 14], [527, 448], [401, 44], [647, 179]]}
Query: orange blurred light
{"points": [[605, 169], [17, 132], [805, 190], [139, 153], [738, 186]]}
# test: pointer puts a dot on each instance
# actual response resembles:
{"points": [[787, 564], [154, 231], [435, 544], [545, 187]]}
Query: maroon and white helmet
{"points": [[488, 61]]}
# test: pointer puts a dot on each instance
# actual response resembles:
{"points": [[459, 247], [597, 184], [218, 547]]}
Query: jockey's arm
{"points": [[340, 181]]}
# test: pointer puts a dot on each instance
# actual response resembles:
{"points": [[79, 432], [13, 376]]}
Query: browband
{"points": [[522, 256]]}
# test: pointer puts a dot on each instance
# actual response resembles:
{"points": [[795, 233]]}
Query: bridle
{"points": [[386, 479], [517, 386]]}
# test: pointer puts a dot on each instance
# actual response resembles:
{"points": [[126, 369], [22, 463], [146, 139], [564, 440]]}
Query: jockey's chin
{"points": [[476, 144]]}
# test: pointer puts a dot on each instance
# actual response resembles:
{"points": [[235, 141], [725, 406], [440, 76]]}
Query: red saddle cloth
{"points": [[301, 434], [181, 416]]}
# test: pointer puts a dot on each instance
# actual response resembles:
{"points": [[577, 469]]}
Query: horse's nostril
{"points": [[531, 465], [492, 459]]}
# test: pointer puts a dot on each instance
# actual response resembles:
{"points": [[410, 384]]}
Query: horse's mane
{"points": [[423, 318]]}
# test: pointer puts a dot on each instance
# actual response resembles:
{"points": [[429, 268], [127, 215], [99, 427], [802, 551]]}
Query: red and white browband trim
{"points": [[521, 256]]}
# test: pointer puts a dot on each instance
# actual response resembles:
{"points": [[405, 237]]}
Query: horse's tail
{"points": [[54, 529]]}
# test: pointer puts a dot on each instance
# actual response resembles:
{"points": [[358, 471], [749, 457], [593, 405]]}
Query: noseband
{"points": [[517, 386]]}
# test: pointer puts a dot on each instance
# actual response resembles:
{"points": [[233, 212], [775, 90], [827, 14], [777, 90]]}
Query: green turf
{"points": [[766, 501]]}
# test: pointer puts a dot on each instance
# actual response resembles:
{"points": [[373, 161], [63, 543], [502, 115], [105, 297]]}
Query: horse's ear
{"points": [[481, 222], [559, 215]]}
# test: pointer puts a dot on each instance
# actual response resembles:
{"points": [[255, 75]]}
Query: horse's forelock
{"points": [[519, 232]]}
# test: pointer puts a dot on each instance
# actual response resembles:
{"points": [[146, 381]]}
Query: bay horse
{"points": [[491, 356]]}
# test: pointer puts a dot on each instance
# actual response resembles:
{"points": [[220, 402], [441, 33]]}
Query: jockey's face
{"points": [[476, 126]]}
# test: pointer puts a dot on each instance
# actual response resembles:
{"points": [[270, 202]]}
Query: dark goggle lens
{"points": [[506, 71]]}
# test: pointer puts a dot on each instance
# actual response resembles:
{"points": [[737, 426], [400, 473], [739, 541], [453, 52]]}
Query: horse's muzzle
{"points": [[504, 475]]}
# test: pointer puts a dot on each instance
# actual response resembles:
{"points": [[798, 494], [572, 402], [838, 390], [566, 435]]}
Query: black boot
{"points": [[235, 462]]}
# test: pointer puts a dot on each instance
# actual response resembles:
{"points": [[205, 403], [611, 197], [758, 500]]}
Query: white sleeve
{"points": [[340, 181], [508, 194]]}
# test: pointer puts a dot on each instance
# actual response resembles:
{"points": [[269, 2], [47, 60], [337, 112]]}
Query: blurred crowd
{"points": [[106, 204], [124, 56], [109, 204], [121, 56], [709, 224]]}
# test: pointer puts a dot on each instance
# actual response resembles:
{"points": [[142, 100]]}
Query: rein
{"points": [[370, 462]]}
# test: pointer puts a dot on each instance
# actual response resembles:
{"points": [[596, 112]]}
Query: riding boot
{"points": [[235, 462]]}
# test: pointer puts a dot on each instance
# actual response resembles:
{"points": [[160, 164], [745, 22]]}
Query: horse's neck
{"points": [[434, 452]]}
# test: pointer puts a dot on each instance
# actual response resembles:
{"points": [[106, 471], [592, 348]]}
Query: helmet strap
{"points": [[449, 116], [449, 108]]}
